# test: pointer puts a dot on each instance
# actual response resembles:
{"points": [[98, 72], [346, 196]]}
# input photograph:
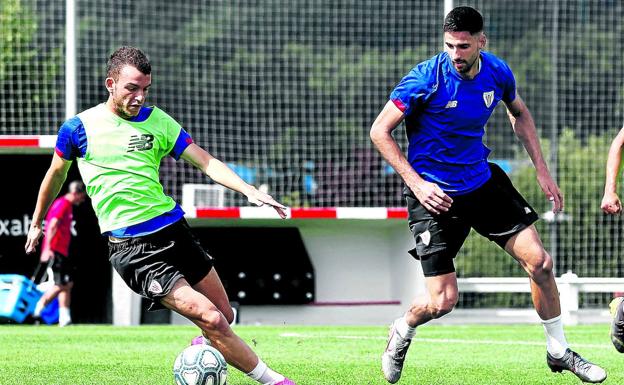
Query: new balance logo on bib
{"points": [[141, 143]]}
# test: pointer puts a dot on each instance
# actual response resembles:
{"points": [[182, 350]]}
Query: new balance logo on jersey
{"points": [[451, 104], [141, 142]]}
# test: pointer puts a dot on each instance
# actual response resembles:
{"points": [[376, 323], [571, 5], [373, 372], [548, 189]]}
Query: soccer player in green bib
{"points": [[119, 146]]}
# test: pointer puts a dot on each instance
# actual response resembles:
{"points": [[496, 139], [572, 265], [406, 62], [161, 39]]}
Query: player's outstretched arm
{"points": [[222, 174], [50, 187], [524, 127], [430, 195], [611, 203]]}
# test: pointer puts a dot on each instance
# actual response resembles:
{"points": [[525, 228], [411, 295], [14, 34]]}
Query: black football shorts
{"points": [[495, 210], [151, 264], [63, 269]]}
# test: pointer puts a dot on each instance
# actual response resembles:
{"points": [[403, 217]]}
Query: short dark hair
{"points": [[463, 19], [76, 186], [127, 55]]}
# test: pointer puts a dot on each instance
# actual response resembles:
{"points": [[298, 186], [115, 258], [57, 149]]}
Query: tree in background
{"points": [[29, 70]]}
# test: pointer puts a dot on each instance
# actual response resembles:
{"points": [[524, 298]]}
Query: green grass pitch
{"points": [[444, 355]]}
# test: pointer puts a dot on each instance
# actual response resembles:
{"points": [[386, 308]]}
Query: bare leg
{"points": [[212, 288], [207, 314], [46, 298], [440, 300], [64, 295], [64, 299], [526, 247]]}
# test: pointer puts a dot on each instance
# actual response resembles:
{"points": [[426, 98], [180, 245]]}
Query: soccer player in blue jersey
{"points": [[450, 186], [118, 146]]}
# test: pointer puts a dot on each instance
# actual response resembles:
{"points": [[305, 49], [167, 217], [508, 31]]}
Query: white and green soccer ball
{"points": [[200, 365]]}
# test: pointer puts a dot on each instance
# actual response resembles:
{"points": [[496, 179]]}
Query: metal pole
{"points": [[448, 5], [70, 58], [554, 119]]}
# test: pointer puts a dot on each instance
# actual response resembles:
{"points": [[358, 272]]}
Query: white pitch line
{"points": [[446, 340]]}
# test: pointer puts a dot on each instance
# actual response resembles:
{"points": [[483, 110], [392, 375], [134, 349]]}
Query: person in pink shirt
{"points": [[55, 251]]}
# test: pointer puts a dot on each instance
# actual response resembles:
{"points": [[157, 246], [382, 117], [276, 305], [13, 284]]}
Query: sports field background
{"points": [[286, 90], [440, 355]]}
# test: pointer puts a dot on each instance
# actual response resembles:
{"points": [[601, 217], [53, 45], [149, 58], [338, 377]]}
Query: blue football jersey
{"points": [[445, 117]]}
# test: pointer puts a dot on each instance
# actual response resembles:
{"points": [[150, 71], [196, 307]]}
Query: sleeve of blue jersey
{"points": [[183, 141], [66, 145], [410, 91], [509, 91]]}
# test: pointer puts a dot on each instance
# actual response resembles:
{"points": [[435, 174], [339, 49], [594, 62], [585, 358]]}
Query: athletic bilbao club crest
{"points": [[488, 98]]}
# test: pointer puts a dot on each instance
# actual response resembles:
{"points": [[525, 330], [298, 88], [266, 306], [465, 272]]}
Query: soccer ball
{"points": [[200, 365]]}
